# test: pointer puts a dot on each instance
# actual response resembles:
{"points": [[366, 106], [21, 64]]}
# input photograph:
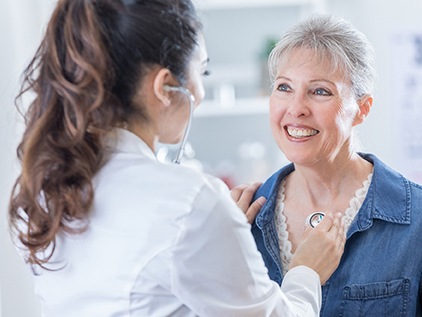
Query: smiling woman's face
{"points": [[312, 109]]}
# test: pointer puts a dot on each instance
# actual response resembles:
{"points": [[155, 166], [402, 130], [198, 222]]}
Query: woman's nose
{"points": [[299, 106]]}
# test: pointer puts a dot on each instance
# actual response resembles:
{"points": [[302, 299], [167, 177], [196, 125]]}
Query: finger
{"points": [[341, 239], [343, 235], [247, 195], [250, 189], [344, 240], [334, 230], [237, 191], [326, 222], [341, 229], [340, 234], [341, 245], [307, 231], [254, 209]]}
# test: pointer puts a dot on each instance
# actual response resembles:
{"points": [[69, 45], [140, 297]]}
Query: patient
{"points": [[323, 81]]}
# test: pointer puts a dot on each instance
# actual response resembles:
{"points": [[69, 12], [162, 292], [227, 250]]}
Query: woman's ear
{"points": [[163, 78], [365, 105]]}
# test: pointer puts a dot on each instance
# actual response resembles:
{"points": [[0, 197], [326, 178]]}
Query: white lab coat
{"points": [[165, 240]]}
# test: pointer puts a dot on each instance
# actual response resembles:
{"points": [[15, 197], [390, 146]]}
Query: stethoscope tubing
{"points": [[188, 126]]}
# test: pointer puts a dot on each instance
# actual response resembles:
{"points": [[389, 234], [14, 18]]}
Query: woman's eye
{"points": [[322, 92], [283, 87], [206, 73]]}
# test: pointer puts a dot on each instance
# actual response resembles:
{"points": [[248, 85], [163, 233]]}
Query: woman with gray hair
{"points": [[323, 80]]}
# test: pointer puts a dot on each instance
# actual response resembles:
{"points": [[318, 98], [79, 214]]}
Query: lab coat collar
{"points": [[124, 141]]}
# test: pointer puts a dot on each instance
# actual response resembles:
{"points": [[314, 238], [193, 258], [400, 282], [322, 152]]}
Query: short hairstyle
{"points": [[333, 38]]}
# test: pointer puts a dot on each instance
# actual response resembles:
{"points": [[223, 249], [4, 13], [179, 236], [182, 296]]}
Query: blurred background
{"points": [[230, 136]]}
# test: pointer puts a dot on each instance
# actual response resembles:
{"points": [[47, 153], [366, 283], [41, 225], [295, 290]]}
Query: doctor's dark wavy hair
{"points": [[85, 75]]}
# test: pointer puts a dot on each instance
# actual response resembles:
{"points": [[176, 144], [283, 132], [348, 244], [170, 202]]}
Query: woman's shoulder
{"points": [[416, 193], [272, 182], [386, 174], [394, 195]]}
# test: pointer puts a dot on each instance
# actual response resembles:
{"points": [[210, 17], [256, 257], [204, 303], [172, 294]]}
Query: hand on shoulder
{"points": [[242, 196]]}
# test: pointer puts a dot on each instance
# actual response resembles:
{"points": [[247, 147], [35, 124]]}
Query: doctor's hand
{"points": [[322, 247], [242, 196]]}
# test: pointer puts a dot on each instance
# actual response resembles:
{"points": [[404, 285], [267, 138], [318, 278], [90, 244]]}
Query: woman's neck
{"points": [[146, 133], [325, 183]]}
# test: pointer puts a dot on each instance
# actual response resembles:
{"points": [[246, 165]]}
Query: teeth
{"points": [[301, 133]]}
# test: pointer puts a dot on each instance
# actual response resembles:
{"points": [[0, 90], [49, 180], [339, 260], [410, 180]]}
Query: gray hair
{"points": [[333, 38]]}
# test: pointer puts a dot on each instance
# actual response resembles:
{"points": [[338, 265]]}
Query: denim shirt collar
{"points": [[391, 204]]}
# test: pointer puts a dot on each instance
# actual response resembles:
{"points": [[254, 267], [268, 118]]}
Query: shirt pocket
{"points": [[376, 299]]}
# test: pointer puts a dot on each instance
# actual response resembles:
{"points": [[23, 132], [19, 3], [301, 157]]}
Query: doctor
{"points": [[105, 228]]}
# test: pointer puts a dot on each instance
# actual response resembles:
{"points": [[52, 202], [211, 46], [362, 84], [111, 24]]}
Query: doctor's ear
{"points": [[163, 80], [365, 105]]}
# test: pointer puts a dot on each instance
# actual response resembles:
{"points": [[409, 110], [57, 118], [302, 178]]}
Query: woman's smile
{"points": [[299, 132]]}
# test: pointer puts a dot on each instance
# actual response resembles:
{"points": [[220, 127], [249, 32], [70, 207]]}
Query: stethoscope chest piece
{"points": [[314, 219]]}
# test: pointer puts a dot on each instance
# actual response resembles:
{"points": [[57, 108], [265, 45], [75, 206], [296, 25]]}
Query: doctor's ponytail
{"points": [[85, 75]]}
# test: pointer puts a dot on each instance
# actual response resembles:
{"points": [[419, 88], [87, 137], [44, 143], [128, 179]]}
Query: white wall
{"points": [[21, 25], [378, 19]]}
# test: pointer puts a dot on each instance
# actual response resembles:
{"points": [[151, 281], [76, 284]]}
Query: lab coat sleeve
{"points": [[216, 269]]}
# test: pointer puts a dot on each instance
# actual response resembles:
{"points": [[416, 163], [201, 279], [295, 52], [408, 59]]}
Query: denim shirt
{"points": [[380, 271]]}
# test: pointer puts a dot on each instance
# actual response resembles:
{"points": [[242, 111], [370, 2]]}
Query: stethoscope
{"points": [[314, 219], [187, 129]]}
